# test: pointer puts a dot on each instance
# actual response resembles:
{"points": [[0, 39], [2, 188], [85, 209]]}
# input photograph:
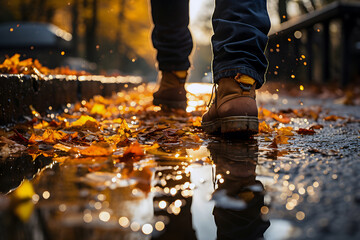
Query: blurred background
{"points": [[112, 37]]}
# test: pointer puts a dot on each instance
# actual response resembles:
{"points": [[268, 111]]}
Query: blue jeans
{"points": [[239, 40]]}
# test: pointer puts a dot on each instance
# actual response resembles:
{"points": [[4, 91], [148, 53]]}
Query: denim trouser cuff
{"points": [[174, 67], [243, 70]]}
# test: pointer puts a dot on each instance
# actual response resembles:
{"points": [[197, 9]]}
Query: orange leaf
{"points": [[85, 121], [265, 128], [96, 150], [41, 125], [52, 136], [115, 139], [135, 148], [266, 139], [266, 113], [281, 118], [285, 131], [34, 138], [197, 122], [62, 147], [333, 118], [281, 139], [144, 179], [99, 109]]}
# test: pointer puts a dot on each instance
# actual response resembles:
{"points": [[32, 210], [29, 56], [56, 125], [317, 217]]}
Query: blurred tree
{"points": [[74, 25], [34, 10], [121, 50], [124, 27], [113, 33], [282, 10], [91, 23]]}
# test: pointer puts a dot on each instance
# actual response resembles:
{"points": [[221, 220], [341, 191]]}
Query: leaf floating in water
{"points": [[97, 149], [133, 152], [22, 199]]}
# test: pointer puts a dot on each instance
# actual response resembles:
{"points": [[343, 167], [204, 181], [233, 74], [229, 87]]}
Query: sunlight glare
{"points": [[199, 88]]}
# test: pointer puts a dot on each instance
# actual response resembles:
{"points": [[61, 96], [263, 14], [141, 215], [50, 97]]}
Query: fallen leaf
{"points": [[197, 122], [96, 150], [324, 152], [285, 131], [333, 118], [273, 144], [303, 131], [266, 139], [281, 118], [134, 149], [8, 147], [316, 126], [85, 122], [281, 139], [52, 136], [265, 128], [99, 109], [116, 139], [62, 147]]}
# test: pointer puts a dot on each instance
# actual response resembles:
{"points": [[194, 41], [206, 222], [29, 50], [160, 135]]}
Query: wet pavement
{"points": [[202, 187]]}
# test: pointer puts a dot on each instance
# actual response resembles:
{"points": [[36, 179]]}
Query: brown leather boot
{"points": [[171, 93], [233, 110]]}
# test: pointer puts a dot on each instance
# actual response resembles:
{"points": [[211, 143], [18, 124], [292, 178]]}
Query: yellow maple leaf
{"points": [[85, 121], [285, 131], [265, 128]]}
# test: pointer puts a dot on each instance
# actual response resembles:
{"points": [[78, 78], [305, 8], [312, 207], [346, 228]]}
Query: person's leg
{"points": [[172, 40], [239, 64], [240, 38], [171, 36]]}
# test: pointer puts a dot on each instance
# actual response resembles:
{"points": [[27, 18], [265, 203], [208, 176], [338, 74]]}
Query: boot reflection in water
{"points": [[239, 198], [239, 64], [178, 218]]}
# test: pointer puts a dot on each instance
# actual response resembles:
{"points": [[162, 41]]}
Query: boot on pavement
{"points": [[234, 108], [171, 93]]}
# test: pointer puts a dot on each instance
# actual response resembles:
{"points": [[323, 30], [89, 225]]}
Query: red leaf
{"points": [[303, 131]]}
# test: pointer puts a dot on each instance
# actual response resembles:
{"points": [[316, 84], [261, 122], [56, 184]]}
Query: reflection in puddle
{"points": [[201, 208], [239, 197], [280, 230], [167, 179], [14, 170], [169, 198]]}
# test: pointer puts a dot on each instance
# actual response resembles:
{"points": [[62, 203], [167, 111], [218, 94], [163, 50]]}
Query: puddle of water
{"points": [[206, 199], [280, 230], [187, 187]]}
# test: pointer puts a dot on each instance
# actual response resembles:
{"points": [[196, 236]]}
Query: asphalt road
{"points": [[317, 183]]}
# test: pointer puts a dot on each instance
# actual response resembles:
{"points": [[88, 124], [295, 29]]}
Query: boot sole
{"points": [[170, 104], [247, 125]]}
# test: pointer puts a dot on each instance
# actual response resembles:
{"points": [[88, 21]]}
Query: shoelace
{"points": [[214, 89], [244, 87]]}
